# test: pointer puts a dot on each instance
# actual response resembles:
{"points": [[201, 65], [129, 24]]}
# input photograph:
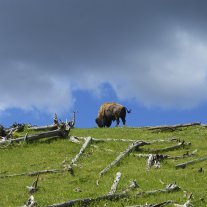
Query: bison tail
{"points": [[128, 111]]}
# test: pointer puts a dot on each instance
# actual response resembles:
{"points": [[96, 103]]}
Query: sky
{"points": [[73, 55]]}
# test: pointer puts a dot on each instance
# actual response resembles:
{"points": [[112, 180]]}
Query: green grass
{"points": [[60, 187]]}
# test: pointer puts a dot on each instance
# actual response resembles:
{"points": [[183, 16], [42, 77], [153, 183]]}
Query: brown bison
{"points": [[109, 112]]}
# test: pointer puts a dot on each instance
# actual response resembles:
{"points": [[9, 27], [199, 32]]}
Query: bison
{"points": [[109, 112]]}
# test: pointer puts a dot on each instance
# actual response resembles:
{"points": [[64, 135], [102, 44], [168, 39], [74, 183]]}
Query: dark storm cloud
{"points": [[144, 49]]}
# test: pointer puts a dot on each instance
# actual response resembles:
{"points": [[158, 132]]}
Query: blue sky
{"points": [[87, 106], [61, 56]]}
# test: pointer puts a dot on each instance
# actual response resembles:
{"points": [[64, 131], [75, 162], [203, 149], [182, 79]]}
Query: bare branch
{"points": [[87, 201], [123, 154], [87, 142], [183, 165], [114, 186], [32, 173]]}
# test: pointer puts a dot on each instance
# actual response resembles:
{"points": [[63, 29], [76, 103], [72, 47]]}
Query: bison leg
{"points": [[123, 116], [107, 122], [117, 121], [123, 120]]}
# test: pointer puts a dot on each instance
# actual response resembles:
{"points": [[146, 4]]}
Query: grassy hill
{"points": [[61, 187]]}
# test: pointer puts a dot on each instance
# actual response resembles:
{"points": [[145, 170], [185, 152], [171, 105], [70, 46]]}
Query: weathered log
{"points": [[32, 173], [115, 183], [106, 139], [34, 137], [55, 120], [40, 128], [33, 188], [173, 127], [87, 142], [9, 132], [3, 132], [133, 184], [187, 203], [183, 165], [185, 155], [125, 140], [30, 202], [179, 145], [169, 188], [87, 201], [72, 123], [123, 154], [73, 139], [154, 160], [154, 205]]}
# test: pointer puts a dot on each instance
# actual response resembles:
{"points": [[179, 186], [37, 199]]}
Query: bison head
{"points": [[99, 122], [103, 122]]}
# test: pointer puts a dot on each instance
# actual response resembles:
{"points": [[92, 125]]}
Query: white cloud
{"points": [[25, 87], [156, 55], [174, 76]]}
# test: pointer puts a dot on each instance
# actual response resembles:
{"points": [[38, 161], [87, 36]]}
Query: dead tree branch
{"points": [[40, 128], [187, 203], [87, 201], [179, 145], [123, 154], [87, 142], [154, 160], [185, 155], [169, 188], [133, 184], [173, 127], [125, 140], [32, 173], [72, 123], [154, 205], [191, 162], [115, 183], [74, 139], [30, 202], [33, 188], [34, 137]]}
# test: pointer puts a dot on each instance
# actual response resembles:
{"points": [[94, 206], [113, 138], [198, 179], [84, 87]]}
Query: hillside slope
{"points": [[63, 186]]}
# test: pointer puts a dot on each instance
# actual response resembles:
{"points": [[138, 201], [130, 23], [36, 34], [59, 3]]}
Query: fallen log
{"points": [[55, 120], [105, 139], [187, 203], [154, 205], [34, 137], [87, 142], [32, 173], [40, 128], [185, 155], [124, 140], [183, 165], [115, 183], [73, 139], [31, 202], [15, 128], [153, 160], [33, 188], [179, 145], [72, 123], [87, 201], [123, 154], [169, 188], [133, 184], [114, 140], [173, 127]]}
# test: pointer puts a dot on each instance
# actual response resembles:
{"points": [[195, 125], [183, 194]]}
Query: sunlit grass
{"points": [[60, 187]]}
